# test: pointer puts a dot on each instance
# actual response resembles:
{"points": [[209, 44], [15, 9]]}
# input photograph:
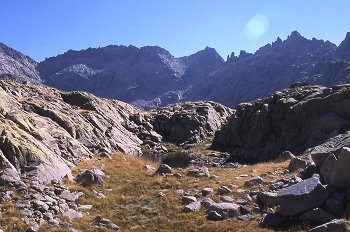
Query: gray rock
{"points": [[88, 178], [284, 156], [215, 216], [188, 199], [340, 177], [207, 202], [149, 168], [40, 205], [223, 190], [207, 191], [244, 210], [253, 182], [192, 207], [199, 172], [273, 221], [246, 217], [296, 164], [48, 216], [164, 169], [190, 122], [84, 207], [298, 198], [268, 198], [23, 204], [227, 199], [337, 225], [104, 222], [72, 214], [9, 176], [226, 210], [327, 168], [317, 216], [69, 196]]}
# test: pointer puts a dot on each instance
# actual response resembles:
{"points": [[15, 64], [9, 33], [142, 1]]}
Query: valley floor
{"points": [[136, 200]]}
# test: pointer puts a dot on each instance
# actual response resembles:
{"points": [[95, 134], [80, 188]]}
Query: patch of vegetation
{"points": [[133, 202]]}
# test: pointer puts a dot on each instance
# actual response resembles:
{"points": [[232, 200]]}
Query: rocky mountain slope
{"points": [[44, 132], [295, 119], [17, 64], [152, 77], [147, 77]]}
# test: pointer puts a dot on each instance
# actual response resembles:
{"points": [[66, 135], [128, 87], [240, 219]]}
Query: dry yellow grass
{"points": [[10, 217], [132, 200]]}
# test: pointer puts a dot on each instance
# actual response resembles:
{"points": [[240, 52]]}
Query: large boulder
{"points": [[298, 198], [89, 178], [340, 176], [336, 225], [189, 122]]}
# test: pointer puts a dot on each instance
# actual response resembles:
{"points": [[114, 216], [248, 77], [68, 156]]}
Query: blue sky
{"points": [[45, 28]]}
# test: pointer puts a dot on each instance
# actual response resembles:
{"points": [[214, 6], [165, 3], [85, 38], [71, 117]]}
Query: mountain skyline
{"points": [[151, 77], [182, 27]]}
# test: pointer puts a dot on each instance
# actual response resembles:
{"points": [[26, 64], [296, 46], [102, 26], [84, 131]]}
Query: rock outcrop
{"points": [[295, 119], [189, 122], [44, 132]]}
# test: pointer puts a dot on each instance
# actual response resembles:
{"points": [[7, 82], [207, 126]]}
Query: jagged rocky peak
{"points": [[343, 50], [207, 56], [16, 64]]}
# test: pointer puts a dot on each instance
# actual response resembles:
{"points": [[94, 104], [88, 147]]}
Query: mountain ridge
{"points": [[151, 77]]}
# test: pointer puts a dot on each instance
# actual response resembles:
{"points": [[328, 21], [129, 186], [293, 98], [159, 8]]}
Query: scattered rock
{"points": [[149, 168], [227, 199], [215, 216], [223, 190], [253, 182], [337, 225], [296, 164], [164, 169], [226, 210], [188, 199], [89, 178], [207, 202], [298, 198], [207, 191], [72, 214], [246, 217], [192, 207], [284, 156], [199, 172], [104, 222]]}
